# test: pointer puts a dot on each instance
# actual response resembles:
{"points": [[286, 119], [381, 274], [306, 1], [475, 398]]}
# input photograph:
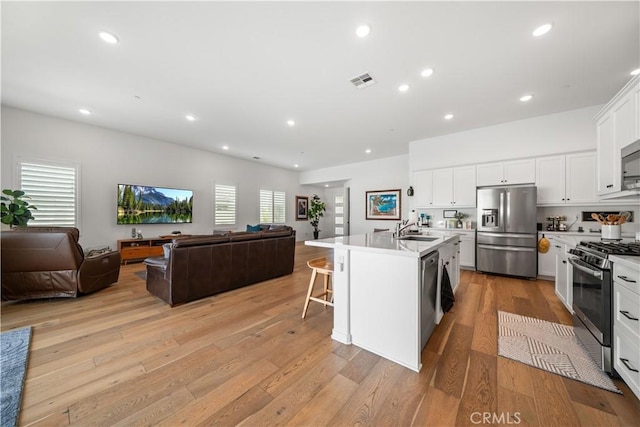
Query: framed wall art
{"points": [[383, 204], [302, 208]]}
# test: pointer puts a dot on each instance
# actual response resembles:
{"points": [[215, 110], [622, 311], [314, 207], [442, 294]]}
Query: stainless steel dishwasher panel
{"points": [[428, 294]]}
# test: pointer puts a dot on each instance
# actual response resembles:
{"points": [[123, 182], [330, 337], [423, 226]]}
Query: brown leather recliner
{"points": [[48, 262]]}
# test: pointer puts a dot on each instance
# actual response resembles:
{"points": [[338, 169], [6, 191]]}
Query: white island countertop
{"points": [[384, 242]]}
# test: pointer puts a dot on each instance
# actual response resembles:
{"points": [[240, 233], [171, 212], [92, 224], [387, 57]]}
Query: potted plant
{"points": [[316, 211], [460, 216], [14, 210]]}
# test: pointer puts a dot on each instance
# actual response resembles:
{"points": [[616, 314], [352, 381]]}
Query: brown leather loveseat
{"points": [[48, 262], [202, 266]]}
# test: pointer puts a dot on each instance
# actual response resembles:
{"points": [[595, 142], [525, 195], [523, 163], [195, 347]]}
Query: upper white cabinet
{"points": [[566, 179], [617, 126], [506, 173], [422, 189], [454, 187]]}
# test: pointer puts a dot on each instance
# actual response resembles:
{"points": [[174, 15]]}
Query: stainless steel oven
{"points": [[592, 305], [593, 296]]}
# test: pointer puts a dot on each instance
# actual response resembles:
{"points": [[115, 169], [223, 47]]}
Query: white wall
{"points": [[564, 132], [109, 157], [382, 174]]}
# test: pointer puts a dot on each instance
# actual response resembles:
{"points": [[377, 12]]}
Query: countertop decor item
{"points": [[15, 211], [316, 211]]}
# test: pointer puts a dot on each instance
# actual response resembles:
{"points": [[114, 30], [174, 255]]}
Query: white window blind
{"points": [[272, 207], [225, 204], [53, 189]]}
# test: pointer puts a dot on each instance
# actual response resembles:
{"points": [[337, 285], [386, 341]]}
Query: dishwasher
{"points": [[428, 294]]}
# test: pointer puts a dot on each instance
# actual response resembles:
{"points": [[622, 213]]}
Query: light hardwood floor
{"points": [[123, 357]]}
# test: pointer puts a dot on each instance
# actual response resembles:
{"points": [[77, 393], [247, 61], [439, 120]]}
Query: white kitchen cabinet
{"points": [[423, 189], [626, 327], [617, 126], [566, 179], [454, 187], [506, 173], [547, 261], [467, 250], [580, 185], [564, 277]]}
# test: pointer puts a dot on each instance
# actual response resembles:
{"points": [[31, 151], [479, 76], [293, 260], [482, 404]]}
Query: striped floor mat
{"points": [[549, 346]]}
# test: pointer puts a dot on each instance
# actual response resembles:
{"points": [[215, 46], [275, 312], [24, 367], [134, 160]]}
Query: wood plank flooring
{"points": [[123, 357]]}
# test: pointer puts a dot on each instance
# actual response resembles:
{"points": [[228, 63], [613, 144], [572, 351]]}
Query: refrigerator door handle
{"points": [[507, 208], [506, 248], [519, 236], [501, 215]]}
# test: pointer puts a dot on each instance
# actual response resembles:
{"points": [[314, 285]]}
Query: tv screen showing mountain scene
{"points": [[139, 204]]}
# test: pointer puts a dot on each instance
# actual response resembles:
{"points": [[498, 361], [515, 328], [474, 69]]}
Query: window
{"points": [[53, 189], [272, 207], [225, 204]]}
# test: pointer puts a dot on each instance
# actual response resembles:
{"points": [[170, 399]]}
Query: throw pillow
{"points": [[253, 228], [92, 253]]}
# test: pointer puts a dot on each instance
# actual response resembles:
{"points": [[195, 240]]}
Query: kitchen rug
{"points": [[548, 346], [14, 353]]}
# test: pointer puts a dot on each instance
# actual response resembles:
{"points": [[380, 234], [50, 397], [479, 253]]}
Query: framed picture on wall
{"points": [[302, 208], [383, 204]]}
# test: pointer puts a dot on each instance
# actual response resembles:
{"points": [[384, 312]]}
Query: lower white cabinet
{"points": [[564, 277], [547, 261], [467, 250], [626, 324]]}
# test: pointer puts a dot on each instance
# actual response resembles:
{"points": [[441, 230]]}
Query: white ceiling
{"points": [[245, 68]]}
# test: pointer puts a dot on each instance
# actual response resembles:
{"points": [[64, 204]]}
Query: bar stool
{"points": [[324, 267]]}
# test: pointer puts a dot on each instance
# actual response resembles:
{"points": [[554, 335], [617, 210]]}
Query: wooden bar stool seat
{"points": [[324, 267]]}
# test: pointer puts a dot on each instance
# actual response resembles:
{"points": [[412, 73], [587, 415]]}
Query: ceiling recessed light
{"points": [[403, 88], [635, 72], [225, 147], [108, 37], [363, 30], [291, 122], [191, 117], [426, 72], [542, 29], [367, 151], [326, 185], [448, 116], [526, 98], [84, 111], [296, 166]]}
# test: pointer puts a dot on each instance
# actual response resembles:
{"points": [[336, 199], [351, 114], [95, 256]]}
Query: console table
{"points": [[139, 249]]}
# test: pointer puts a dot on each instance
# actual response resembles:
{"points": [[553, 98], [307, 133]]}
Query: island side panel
{"points": [[385, 306], [341, 299]]}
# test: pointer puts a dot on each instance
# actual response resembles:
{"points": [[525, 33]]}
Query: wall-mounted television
{"points": [[140, 204]]}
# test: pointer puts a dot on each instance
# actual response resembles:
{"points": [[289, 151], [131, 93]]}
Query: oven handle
{"points": [[584, 268]]}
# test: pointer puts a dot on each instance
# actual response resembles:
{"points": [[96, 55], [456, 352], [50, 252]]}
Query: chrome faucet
{"points": [[400, 227]]}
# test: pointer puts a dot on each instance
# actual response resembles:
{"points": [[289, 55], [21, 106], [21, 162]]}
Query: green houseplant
{"points": [[316, 211], [15, 211]]}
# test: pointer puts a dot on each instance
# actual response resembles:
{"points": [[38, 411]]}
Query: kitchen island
{"points": [[377, 289]]}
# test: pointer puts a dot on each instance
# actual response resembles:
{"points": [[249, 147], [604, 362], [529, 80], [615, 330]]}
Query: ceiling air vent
{"points": [[362, 81]]}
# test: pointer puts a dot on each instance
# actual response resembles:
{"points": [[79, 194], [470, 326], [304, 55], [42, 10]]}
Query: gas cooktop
{"points": [[613, 248]]}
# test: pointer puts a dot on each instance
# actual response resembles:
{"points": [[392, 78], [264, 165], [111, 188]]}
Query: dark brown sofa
{"points": [[48, 262], [201, 266]]}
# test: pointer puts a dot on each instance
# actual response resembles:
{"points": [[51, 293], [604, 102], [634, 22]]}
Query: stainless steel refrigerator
{"points": [[506, 239]]}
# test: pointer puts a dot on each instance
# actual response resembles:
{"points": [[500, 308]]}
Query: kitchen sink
{"points": [[419, 238]]}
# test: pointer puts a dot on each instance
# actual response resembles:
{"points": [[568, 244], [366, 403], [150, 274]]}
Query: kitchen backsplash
{"points": [[570, 212]]}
